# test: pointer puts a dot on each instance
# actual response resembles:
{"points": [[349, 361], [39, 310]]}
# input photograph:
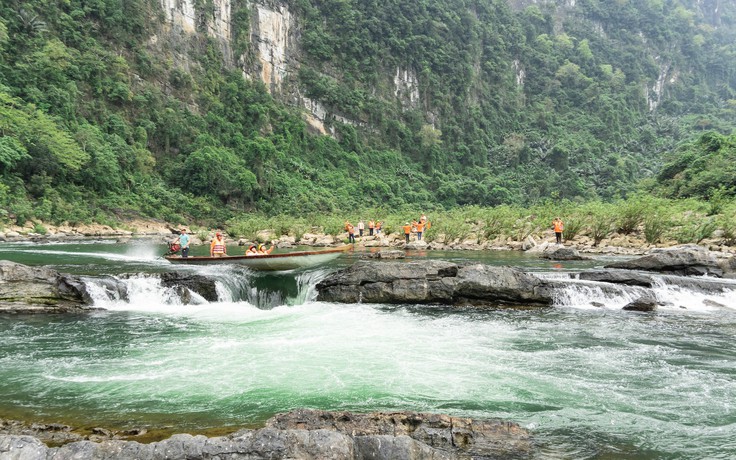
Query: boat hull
{"points": [[267, 262]]}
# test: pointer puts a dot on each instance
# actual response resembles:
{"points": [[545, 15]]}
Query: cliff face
{"points": [[274, 53]]}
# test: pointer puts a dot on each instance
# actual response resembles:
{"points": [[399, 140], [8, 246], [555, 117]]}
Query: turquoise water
{"points": [[587, 382]]}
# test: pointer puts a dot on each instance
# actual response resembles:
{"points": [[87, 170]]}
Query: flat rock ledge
{"points": [[310, 434], [435, 282], [25, 289], [684, 260]]}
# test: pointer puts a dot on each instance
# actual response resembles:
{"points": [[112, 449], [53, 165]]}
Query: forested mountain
{"points": [[204, 108]]}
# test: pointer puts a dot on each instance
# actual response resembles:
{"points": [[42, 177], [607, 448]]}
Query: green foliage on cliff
{"points": [[105, 109]]}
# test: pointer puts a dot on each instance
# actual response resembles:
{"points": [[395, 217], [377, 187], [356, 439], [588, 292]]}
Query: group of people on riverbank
{"points": [[218, 248], [374, 228], [417, 226]]}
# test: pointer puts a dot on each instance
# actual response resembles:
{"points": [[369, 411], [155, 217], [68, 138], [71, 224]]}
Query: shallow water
{"points": [[588, 382]]}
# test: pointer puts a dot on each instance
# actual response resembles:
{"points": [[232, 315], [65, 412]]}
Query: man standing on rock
{"points": [[558, 227]]}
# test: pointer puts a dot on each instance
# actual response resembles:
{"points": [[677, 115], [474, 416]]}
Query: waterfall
{"points": [[232, 285], [669, 292], [591, 294]]}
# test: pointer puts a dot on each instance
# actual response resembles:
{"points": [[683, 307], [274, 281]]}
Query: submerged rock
{"points": [[562, 253], [312, 434], [395, 254], [644, 303]]}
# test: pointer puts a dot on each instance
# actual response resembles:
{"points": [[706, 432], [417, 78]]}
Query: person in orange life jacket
{"points": [[351, 233], [407, 231], [420, 229], [347, 225], [217, 247], [251, 251], [361, 227], [558, 227], [263, 251], [379, 224], [371, 226]]}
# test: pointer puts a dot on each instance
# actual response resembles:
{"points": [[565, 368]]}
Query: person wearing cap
{"points": [[251, 251], [217, 247], [263, 251], [183, 240]]}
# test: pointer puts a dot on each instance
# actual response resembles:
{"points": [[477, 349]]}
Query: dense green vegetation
{"points": [[640, 219], [98, 121]]}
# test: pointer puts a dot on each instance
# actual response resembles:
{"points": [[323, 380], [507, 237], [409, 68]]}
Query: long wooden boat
{"points": [[268, 262]]}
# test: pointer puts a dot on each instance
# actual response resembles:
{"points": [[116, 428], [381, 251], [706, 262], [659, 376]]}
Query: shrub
{"points": [[600, 220], [39, 228], [573, 227], [655, 226], [632, 215], [695, 232], [727, 224]]}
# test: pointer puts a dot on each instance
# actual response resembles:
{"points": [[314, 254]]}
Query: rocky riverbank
{"points": [[300, 434], [615, 244]]}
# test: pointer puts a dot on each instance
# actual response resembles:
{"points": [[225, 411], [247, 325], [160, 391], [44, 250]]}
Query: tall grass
{"points": [[650, 217]]}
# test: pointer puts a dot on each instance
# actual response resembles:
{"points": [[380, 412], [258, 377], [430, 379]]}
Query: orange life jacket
{"points": [[558, 226], [217, 246], [420, 227], [407, 229]]}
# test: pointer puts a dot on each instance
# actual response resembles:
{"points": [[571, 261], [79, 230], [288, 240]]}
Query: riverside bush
{"points": [[600, 221], [573, 226], [695, 231], [655, 226], [593, 219], [727, 224]]}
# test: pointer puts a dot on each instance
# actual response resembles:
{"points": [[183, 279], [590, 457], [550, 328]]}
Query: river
{"points": [[586, 378]]}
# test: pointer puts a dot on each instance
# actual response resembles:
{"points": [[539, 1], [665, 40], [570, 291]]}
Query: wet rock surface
{"points": [[435, 281], [562, 253], [26, 289], [39, 289], [686, 260], [309, 434]]}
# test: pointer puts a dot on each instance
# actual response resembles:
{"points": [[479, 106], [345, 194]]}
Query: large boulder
{"points": [[311, 434], [434, 281], [686, 260], [39, 290]]}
